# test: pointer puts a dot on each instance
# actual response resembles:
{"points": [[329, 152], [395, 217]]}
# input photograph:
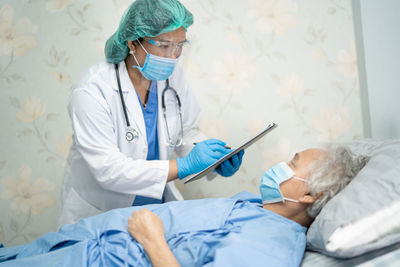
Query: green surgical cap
{"points": [[146, 18]]}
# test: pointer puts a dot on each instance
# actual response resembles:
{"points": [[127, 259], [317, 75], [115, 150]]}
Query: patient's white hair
{"points": [[331, 173]]}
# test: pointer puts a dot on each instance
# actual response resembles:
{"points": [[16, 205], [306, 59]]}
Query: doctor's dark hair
{"points": [[331, 173]]}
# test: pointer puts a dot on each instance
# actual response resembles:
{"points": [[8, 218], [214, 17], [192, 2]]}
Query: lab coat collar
{"points": [[124, 78]]}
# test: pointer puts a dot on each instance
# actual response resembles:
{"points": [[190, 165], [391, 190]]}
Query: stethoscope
{"points": [[132, 135]]}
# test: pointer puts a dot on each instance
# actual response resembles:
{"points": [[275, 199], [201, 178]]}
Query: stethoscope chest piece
{"points": [[131, 135]]}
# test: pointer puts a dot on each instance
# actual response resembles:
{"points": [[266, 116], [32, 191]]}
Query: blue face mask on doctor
{"points": [[270, 181], [155, 68]]}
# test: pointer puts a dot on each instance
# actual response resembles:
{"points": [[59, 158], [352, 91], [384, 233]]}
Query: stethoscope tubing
{"points": [[167, 87], [122, 97], [163, 106]]}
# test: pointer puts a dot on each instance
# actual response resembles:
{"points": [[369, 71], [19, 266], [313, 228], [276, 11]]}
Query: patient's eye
{"points": [[292, 164], [294, 160]]}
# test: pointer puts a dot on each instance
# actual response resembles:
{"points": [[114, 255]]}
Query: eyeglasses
{"points": [[170, 47]]}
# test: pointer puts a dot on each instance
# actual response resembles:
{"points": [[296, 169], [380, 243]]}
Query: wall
{"points": [[250, 63], [378, 41]]}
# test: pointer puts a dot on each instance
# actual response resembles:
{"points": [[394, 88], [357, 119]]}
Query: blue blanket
{"points": [[206, 232]]}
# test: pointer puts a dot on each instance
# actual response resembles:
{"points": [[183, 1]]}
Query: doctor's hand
{"points": [[201, 156], [231, 165]]}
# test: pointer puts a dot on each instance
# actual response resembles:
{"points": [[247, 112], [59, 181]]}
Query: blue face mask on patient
{"points": [[270, 181], [155, 68]]}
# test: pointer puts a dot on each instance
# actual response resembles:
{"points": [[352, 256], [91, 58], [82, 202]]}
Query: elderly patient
{"points": [[246, 230]]}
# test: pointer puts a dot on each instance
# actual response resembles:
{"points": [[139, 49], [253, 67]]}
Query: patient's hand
{"points": [[145, 226], [148, 229]]}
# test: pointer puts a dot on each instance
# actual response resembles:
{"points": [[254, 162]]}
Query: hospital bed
{"points": [[388, 257]]}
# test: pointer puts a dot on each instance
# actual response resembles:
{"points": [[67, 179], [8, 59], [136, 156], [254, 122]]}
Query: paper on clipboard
{"points": [[248, 143]]}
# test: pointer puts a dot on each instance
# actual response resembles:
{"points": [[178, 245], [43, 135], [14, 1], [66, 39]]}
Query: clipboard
{"points": [[248, 143]]}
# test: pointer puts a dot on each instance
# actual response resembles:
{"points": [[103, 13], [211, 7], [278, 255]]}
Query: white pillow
{"points": [[368, 229], [376, 186]]}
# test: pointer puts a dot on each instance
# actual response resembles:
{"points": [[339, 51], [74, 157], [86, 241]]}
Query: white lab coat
{"points": [[104, 171]]}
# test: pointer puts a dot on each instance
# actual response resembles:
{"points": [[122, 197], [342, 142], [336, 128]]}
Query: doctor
{"points": [[132, 114]]}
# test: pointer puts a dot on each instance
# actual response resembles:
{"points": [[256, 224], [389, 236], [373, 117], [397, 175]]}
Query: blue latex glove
{"points": [[231, 165], [201, 156]]}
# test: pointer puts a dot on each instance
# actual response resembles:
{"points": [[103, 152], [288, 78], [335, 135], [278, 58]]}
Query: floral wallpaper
{"points": [[250, 62]]}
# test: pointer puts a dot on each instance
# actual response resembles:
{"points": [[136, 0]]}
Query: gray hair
{"points": [[331, 173]]}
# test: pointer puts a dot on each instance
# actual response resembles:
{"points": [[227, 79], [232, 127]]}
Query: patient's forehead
{"points": [[312, 154], [303, 158]]}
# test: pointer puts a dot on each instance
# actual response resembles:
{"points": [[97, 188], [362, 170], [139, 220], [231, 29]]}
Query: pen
{"points": [[227, 147]]}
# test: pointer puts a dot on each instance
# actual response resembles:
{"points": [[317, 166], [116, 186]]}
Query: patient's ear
{"points": [[309, 199]]}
